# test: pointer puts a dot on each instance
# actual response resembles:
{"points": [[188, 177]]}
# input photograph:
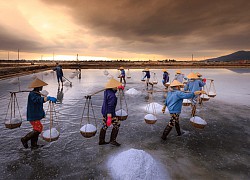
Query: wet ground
{"points": [[219, 151]]}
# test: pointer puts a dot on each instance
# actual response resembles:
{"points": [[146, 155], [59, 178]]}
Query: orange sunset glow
{"points": [[125, 29]]}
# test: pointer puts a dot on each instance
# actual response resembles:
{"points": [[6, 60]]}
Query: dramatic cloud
{"points": [[157, 28]]}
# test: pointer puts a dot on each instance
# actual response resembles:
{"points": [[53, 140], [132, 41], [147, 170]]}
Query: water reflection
{"points": [[60, 95]]}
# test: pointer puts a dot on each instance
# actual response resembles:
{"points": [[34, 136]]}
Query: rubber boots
{"points": [[166, 132], [26, 138], [178, 129], [114, 134], [102, 137], [34, 140]]}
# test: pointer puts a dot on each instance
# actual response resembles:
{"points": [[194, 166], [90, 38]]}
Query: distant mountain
{"points": [[239, 55]]}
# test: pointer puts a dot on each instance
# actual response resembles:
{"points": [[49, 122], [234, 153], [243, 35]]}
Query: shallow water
{"points": [[219, 151]]}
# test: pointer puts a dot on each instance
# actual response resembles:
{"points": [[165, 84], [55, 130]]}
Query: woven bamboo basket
{"points": [[204, 99], [50, 139], [155, 82], [128, 77], [122, 118], [150, 121], [198, 125], [211, 95], [88, 134], [13, 126]]}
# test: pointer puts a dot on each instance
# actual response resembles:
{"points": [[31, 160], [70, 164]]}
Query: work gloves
{"points": [[200, 92], [53, 99], [121, 87], [204, 80]]}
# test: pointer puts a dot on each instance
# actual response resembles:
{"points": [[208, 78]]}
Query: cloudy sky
{"points": [[123, 29]]}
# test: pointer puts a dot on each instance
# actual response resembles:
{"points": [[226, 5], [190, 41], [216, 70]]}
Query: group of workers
{"points": [[173, 102]]}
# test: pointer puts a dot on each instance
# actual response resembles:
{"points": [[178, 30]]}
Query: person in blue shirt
{"points": [[122, 75], [35, 112], [194, 84], [147, 75], [108, 112], [179, 76], [174, 104], [165, 78], [59, 73]]}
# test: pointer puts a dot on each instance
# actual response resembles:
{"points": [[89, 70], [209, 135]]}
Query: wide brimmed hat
{"points": [[178, 71], [176, 83], [164, 70], [146, 69], [37, 83], [121, 68], [112, 83], [192, 76]]}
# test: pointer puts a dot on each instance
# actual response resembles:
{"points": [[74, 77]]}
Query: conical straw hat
{"points": [[121, 68], [176, 83], [164, 70], [146, 69], [178, 71], [37, 83], [112, 83], [192, 76]]}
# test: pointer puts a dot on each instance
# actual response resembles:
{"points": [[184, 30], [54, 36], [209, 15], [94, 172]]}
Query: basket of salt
{"points": [[186, 102], [128, 77], [121, 114], [50, 135], [155, 82], [88, 130], [211, 94], [205, 97], [150, 119], [198, 122], [13, 123]]}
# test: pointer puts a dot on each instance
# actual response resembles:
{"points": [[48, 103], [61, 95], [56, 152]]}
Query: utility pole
{"points": [[18, 54], [8, 55], [53, 56], [192, 57]]}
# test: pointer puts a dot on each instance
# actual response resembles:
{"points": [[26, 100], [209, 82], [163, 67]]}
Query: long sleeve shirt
{"points": [[35, 107], [109, 103], [59, 71], [123, 72], [179, 77], [174, 100], [194, 85], [165, 77], [147, 74]]}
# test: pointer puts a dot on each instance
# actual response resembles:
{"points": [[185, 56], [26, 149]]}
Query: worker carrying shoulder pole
{"points": [[174, 103], [35, 112], [108, 112]]}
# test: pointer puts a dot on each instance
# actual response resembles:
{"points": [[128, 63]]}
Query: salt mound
{"points": [[198, 120], [150, 117], [110, 76], [13, 121], [71, 76], [205, 96], [46, 73], [135, 164], [44, 92], [105, 72], [88, 128], [186, 101], [67, 84], [54, 133], [121, 112], [212, 93], [133, 91], [153, 108], [15, 81], [34, 76]]}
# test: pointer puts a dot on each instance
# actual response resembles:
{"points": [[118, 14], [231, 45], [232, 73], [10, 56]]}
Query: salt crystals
{"points": [[133, 91], [51, 133], [187, 101], [153, 108], [121, 112], [198, 120], [44, 92], [150, 117], [204, 96], [105, 72], [13, 121], [15, 81], [88, 128], [135, 164]]}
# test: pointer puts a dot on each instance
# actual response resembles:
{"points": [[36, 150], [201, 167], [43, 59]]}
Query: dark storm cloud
{"points": [[144, 20]]}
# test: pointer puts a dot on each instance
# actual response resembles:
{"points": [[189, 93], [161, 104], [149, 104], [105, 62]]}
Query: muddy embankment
{"points": [[16, 68]]}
